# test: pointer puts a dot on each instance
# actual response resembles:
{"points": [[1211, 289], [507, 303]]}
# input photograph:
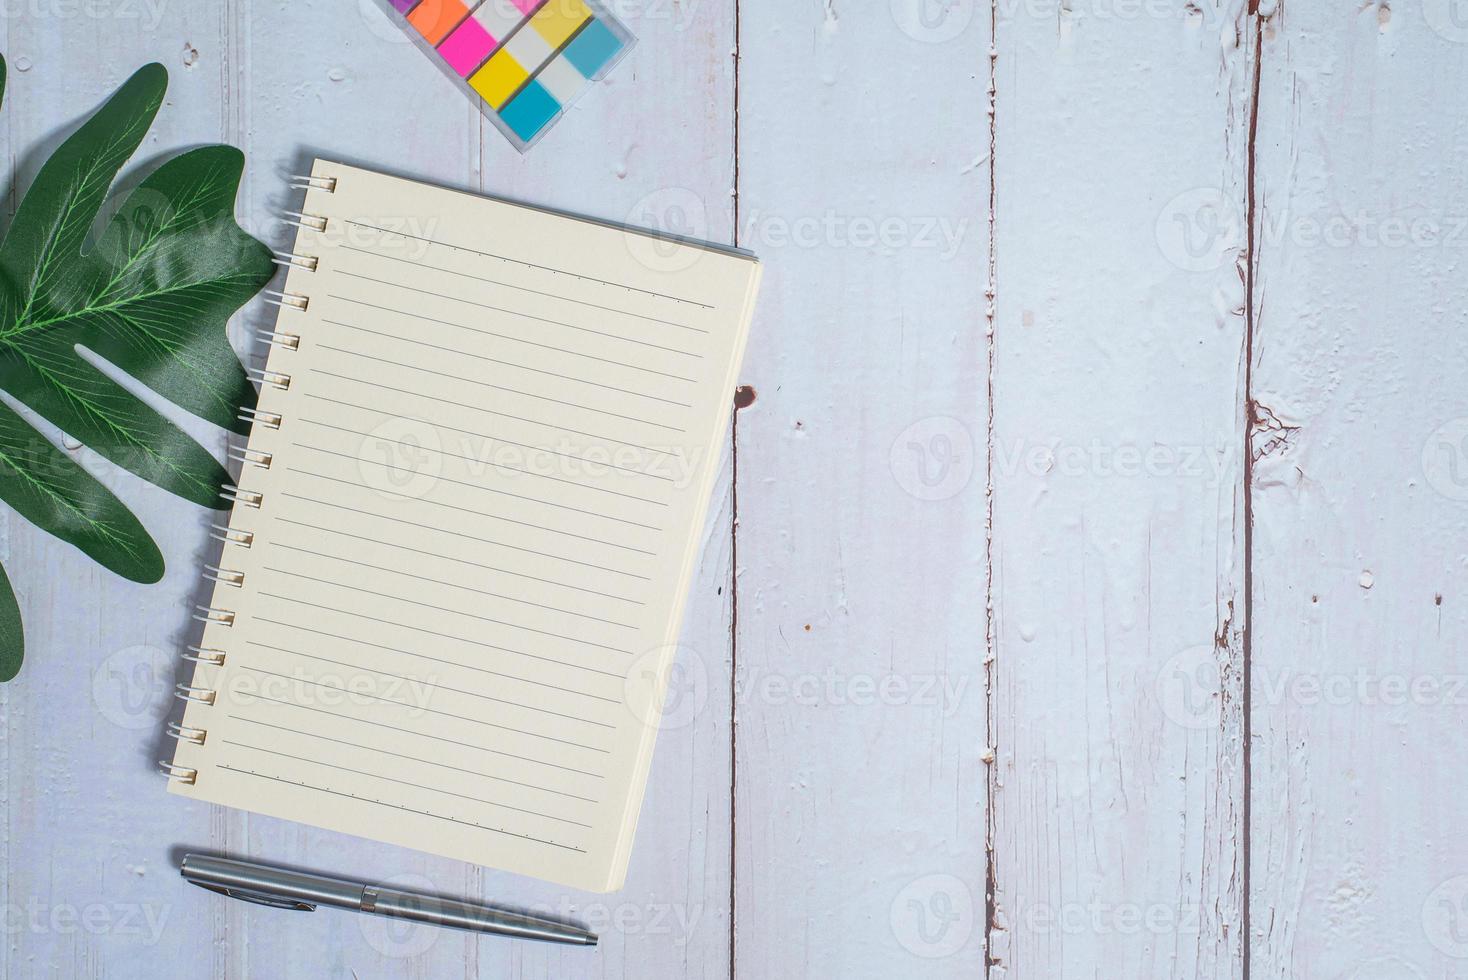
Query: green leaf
{"points": [[150, 296], [12, 640], [50, 490]]}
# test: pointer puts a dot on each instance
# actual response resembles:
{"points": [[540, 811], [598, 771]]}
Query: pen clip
{"points": [[258, 898]]}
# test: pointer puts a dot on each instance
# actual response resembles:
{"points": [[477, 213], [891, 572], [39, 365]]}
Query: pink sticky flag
{"points": [[467, 47]]}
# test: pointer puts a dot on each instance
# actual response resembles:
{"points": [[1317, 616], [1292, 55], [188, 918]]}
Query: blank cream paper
{"points": [[450, 620]]}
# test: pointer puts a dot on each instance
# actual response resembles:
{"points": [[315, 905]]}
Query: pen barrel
{"points": [[240, 878], [476, 918]]}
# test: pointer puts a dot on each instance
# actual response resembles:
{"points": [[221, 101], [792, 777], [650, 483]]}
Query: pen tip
{"points": [[591, 940]]}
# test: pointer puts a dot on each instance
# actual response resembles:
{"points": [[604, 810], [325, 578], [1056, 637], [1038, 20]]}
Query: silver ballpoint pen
{"points": [[279, 888]]}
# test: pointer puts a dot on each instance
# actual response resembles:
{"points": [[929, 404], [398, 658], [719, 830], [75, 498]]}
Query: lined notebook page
{"points": [[457, 602]]}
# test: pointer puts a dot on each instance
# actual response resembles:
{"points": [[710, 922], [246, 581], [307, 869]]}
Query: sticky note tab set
{"points": [[524, 61]]}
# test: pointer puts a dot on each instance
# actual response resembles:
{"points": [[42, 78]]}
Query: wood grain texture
{"points": [[280, 75], [1117, 467], [288, 83], [860, 565], [653, 146], [1057, 338], [1360, 688], [90, 893]]}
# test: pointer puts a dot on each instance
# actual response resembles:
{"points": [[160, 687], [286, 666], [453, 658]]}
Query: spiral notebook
{"points": [[467, 520]]}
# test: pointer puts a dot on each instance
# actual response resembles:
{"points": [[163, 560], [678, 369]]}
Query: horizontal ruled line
{"points": [[440, 660], [506, 466], [537, 292], [476, 408], [425, 813], [448, 609], [438, 581], [404, 782], [461, 561], [447, 714], [459, 534], [532, 265], [489, 333], [480, 486], [511, 442], [410, 758], [436, 738], [460, 352], [446, 636], [476, 513], [397, 365], [433, 684], [631, 471]]}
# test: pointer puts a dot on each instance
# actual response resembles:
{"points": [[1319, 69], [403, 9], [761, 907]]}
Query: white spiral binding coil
{"points": [[309, 222], [201, 695], [289, 341], [225, 576], [182, 774], [219, 617], [244, 455], [185, 734], [293, 300], [305, 182], [229, 535], [274, 379], [247, 498], [251, 457], [205, 655], [254, 416], [290, 260]]}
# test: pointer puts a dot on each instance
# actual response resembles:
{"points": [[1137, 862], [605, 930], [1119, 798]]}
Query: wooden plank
{"points": [[653, 146], [1360, 494], [7, 519], [263, 79], [860, 502], [1117, 454], [611, 158], [1120, 162], [89, 831], [340, 81]]}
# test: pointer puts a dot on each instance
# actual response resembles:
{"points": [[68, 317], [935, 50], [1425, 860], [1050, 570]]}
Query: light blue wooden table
{"points": [[1085, 593]]}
